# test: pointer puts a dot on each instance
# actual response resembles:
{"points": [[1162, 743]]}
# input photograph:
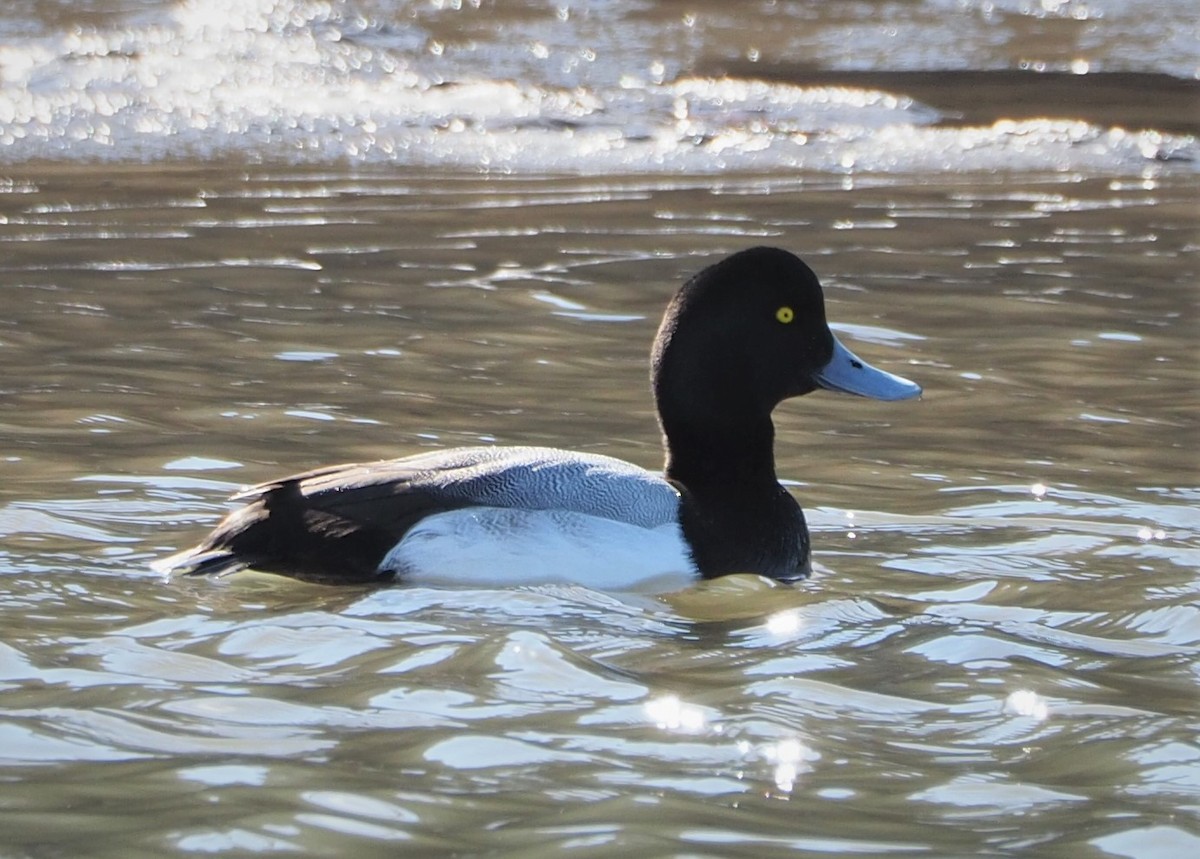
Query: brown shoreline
{"points": [[1133, 100]]}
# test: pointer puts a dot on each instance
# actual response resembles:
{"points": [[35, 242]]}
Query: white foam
{"points": [[296, 81]]}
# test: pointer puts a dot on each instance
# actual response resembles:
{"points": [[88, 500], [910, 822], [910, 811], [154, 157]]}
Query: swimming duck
{"points": [[737, 339]]}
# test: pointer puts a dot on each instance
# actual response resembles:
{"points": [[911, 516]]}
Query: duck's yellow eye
{"points": [[785, 314]]}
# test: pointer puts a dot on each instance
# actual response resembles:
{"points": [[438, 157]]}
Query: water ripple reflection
{"points": [[998, 653]]}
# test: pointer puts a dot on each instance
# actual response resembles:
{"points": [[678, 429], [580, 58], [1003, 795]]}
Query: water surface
{"points": [[997, 654]]}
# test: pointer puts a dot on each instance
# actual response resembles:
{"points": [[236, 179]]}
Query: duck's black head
{"points": [[749, 332], [745, 334]]}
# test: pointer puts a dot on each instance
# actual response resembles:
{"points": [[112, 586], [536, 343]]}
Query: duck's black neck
{"points": [[721, 454], [735, 516], [716, 422]]}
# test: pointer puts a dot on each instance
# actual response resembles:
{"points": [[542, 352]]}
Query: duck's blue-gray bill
{"points": [[848, 373]]}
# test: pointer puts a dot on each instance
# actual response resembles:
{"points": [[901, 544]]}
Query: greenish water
{"points": [[241, 239], [996, 655]]}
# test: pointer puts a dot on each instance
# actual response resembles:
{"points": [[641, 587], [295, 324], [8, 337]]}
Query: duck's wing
{"points": [[337, 523]]}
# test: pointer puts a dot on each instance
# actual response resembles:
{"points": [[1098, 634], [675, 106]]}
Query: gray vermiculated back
{"points": [[546, 478]]}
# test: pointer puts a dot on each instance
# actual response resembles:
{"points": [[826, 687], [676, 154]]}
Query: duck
{"points": [[737, 339]]}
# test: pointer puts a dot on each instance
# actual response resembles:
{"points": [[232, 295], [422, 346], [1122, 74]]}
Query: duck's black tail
{"points": [[280, 531], [200, 561]]}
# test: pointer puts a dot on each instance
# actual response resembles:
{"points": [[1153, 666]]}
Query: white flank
{"points": [[496, 547]]}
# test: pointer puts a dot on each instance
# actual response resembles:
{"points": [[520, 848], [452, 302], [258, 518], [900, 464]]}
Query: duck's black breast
{"points": [[762, 533]]}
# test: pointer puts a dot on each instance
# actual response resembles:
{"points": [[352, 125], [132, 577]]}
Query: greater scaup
{"points": [[737, 339]]}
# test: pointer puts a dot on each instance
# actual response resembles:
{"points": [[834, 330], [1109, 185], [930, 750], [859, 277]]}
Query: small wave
{"points": [[304, 82]]}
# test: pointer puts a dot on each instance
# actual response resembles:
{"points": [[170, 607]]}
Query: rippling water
{"points": [[998, 653], [606, 86]]}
